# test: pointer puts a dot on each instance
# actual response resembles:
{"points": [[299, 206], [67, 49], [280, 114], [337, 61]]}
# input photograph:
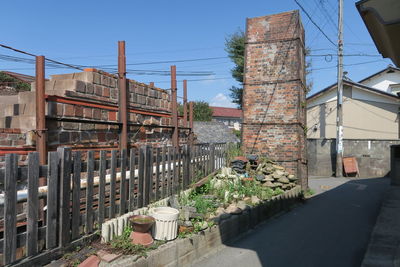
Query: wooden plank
{"points": [[186, 172], [122, 188], [169, 154], [147, 175], [102, 185], [212, 158], [157, 181], [65, 195], [52, 200], [174, 170], [179, 180], [89, 193], [190, 163], [163, 175], [33, 204], [76, 190], [141, 167], [113, 178], [132, 168], [10, 204]]}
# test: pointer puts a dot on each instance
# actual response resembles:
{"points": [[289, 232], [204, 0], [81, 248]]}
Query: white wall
{"points": [[383, 80]]}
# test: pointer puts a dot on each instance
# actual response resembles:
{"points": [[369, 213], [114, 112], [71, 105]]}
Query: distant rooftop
{"points": [[21, 77], [226, 112]]}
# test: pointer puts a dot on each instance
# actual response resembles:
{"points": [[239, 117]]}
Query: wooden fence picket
{"points": [[157, 179], [33, 204], [102, 186], [65, 195], [141, 176], [76, 194], [113, 182], [132, 168], [10, 204], [163, 176], [52, 201], [122, 188], [89, 192]]}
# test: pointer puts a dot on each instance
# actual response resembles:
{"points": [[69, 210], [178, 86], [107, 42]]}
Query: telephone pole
{"points": [[339, 114]]}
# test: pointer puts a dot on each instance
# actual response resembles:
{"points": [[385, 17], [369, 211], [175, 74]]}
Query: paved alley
{"points": [[332, 229]]}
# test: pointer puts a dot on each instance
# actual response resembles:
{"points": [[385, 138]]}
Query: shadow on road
{"points": [[331, 229]]}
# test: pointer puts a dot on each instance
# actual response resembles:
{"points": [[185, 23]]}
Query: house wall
{"points": [[373, 156], [383, 81], [362, 117]]}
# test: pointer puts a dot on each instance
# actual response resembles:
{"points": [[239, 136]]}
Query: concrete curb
{"points": [[182, 252], [384, 244]]}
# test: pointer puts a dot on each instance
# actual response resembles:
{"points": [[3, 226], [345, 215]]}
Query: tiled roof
{"points": [[226, 112]]}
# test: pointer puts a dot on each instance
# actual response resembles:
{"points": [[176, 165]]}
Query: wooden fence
{"points": [[86, 188]]}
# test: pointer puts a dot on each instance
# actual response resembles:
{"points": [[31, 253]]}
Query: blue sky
{"points": [[86, 33]]}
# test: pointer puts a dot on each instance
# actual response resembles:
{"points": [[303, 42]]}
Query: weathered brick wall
{"points": [[274, 91]]}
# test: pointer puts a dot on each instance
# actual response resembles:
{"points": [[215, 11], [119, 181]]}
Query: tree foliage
{"points": [[235, 46], [201, 111]]}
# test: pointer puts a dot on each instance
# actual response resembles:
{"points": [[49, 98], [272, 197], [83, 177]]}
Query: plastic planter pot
{"points": [[166, 223]]}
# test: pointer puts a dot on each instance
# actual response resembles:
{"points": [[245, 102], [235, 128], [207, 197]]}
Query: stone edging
{"points": [[182, 252]]}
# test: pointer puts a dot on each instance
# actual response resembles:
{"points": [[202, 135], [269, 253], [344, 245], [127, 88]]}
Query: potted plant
{"points": [[141, 225]]}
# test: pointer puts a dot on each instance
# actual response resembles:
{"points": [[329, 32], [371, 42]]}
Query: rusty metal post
{"points": [[185, 119], [122, 105], [191, 122], [40, 113], [174, 104]]}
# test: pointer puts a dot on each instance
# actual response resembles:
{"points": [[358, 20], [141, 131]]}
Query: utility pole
{"points": [[339, 114]]}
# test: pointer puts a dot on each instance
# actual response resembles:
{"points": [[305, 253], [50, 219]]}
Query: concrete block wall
{"points": [[274, 91], [373, 156]]}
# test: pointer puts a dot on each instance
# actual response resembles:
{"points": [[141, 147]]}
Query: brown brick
{"points": [[78, 111], [98, 90], [88, 113], [69, 110], [112, 115], [106, 92], [96, 114]]}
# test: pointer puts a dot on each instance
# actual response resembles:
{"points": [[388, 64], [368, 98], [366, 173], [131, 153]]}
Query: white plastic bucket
{"points": [[166, 225]]}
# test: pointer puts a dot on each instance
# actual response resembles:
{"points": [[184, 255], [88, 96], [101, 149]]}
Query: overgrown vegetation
{"points": [[234, 150], [6, 80], [201, 111]]}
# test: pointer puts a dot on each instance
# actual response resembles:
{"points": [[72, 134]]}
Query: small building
{"points": [[370, 108], [231, 117], [371, 124]]}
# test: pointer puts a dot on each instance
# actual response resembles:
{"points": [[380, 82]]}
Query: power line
{"points": [[315, 24], [48, 59], [346, 65], [132, 71], [164, 62]]}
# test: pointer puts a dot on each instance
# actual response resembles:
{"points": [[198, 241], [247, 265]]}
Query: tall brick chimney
{"points": [[274, 104]]}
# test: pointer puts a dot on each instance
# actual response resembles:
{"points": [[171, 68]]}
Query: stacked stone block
{"points": [[274, 91], [82, 111]]}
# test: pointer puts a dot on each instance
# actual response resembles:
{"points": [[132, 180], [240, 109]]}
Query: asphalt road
{"points": [[331, 229]]}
